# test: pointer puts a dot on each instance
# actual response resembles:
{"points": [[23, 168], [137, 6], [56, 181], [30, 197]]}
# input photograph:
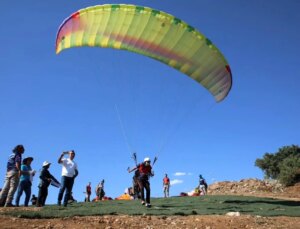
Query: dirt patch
{"points": [[110, 222]]}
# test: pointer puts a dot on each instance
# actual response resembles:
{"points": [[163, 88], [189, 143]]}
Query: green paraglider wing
{"points": [[152, 33]]}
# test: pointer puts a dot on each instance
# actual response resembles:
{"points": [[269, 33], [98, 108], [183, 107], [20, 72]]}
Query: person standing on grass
{"points": [[69, 173], [45, 180], [25, 181], [166, 185], [100, 190], [88, 192], [202, 185], [12, 177]]}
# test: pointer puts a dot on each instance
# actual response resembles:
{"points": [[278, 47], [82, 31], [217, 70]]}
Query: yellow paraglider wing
{"points": [[152, 33]]}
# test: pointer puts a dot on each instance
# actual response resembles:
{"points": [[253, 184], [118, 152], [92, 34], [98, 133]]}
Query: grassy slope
{"points": [[204, 205]]}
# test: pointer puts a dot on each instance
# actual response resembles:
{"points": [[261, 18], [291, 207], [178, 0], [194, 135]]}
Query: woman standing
{"points": [[25, 181], [12, 176]]}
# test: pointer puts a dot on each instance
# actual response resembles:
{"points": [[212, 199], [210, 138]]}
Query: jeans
{"points": [[25, 185], [9, 188], [166, 190], [66, 184], [202, 189]]}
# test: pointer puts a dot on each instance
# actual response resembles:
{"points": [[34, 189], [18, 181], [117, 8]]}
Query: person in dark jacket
{"points": [[202, 185], [100, 190], [45, 180]]}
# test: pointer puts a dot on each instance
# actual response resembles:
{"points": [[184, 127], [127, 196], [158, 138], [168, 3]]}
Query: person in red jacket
{"points": [[166, 185], [145, 171]]}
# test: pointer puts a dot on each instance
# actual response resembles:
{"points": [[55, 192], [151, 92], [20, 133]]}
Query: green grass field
{"points": [[204, 205]]}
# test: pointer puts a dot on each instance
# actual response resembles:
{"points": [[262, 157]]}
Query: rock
{"points": [[233, 214]]}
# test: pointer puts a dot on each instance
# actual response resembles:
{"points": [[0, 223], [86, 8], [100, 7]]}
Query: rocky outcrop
{"points": [[251, 187]]}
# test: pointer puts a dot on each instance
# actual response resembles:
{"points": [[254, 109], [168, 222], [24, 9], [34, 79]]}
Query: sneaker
{"points": [[58, 203], [9, 205], [143, 202], [148, 205]]}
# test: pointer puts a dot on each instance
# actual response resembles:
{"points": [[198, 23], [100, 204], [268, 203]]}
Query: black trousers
{"points": [[144, 184], [66, 184], [43, 193]]}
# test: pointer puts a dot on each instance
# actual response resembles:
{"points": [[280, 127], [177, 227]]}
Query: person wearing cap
{"points": [[12, 176], [202, 185], [69, 173], [45, 180], [145, 171], [25, 181], [166, 185]]}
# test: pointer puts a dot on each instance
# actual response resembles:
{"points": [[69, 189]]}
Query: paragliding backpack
{"points": [[137, 173], [202, 182]]}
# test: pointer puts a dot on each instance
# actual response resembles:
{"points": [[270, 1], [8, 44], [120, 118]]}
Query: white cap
{"points": [[45, 163], [146, 159]]}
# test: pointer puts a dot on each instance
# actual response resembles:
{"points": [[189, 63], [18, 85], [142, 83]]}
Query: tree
{"points": [[283, 165], [290, 171]]}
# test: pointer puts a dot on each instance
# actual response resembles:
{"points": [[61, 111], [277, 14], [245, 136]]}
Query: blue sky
{"points": [[105, 103]]}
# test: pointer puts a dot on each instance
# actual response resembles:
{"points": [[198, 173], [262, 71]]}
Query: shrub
{"points": [[290, 171], [283, 165]]}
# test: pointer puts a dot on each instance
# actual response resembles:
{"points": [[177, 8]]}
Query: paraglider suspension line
{"points": [[123, 129]]}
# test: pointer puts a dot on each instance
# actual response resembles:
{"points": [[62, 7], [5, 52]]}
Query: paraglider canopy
{"points": [[152, 33]]}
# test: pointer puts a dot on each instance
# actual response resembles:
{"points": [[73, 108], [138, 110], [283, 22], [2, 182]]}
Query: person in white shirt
{"points": [[69, 173]]}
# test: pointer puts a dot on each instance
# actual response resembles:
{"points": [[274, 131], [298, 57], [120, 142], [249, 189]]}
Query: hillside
{"points": [[212, 211], [255, 187]]}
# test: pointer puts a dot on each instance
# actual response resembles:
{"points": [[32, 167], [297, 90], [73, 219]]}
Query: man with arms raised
{"points": [[69, 173]]}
